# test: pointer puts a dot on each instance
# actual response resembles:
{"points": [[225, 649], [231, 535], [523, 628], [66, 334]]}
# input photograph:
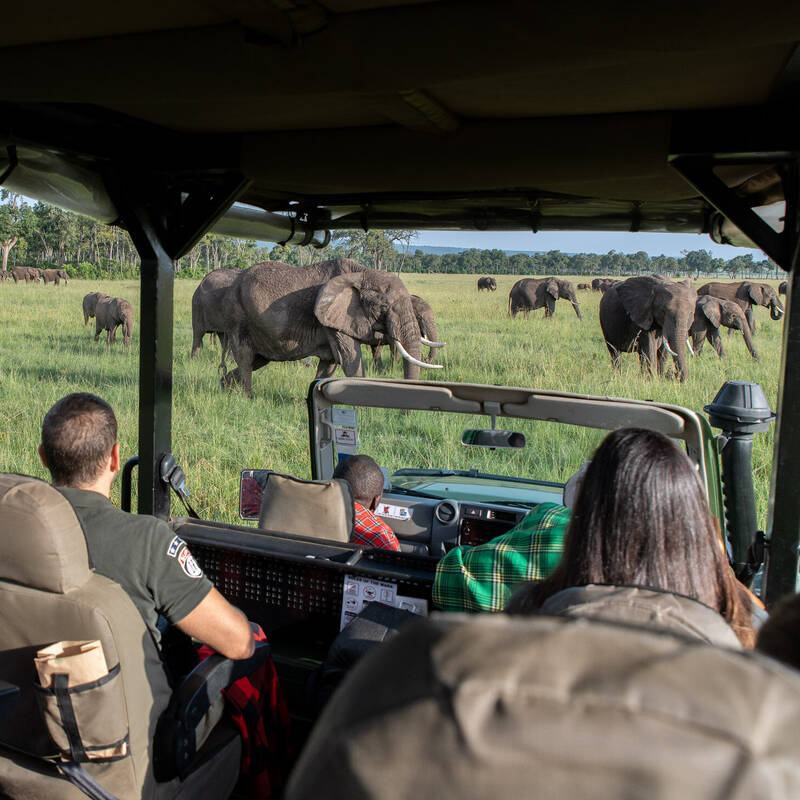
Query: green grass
{"points": [[46, 352]]}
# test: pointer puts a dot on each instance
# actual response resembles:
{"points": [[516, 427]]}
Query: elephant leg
{"points": [[325, 369], [377, 361], [97, 329], [716, 342], [197, 343], [615, 356], [647, 353], [662, 357], [751, 320], [245, 359]]}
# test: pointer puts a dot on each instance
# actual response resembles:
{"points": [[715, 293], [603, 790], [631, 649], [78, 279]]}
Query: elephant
{"points": [[487, 283], [711, 312], [746, 294], [427, 328], [782, 287], [110, 313], [529, 294], [649, 315], [3, 275], [55, 275], [276, 312], [90, 304], [27, 274], [603, 284], [583, 286], [209, 313]]}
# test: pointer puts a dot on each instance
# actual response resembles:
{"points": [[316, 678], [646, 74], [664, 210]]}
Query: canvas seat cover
{"points": [[323, 509], [512, 707], [48, 593]]}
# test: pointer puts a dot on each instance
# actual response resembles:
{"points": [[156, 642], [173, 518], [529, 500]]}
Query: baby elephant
{"points": [[110, 313], [710, 314], [90, 304]]}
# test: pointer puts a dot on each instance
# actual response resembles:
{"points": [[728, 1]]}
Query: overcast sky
{"points": [[654, 244]]}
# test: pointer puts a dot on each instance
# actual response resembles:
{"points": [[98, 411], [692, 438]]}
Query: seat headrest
{"points": [[41, 540], [323, 509]]}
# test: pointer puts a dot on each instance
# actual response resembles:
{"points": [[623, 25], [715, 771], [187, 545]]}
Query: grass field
{"points": [[46, 352]]}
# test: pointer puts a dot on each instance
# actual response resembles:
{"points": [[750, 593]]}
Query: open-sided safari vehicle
{"points": [[438, 115]]}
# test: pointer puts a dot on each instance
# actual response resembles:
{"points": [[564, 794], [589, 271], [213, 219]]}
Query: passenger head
{"points": [[78, 435], [779, 636], [641, 518], [365, 479]]}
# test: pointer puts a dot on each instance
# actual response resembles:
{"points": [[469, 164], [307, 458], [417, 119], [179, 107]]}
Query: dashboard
{"points": [[432, 526]]}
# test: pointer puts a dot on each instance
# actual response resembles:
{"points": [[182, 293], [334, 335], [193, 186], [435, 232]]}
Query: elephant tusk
{"points": [[669, 349], [406, 355], [689, 346], [430, 343]]}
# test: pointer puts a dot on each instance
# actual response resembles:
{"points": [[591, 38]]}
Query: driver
{"points": [[366, 482], [482, 578], [141, 553]]}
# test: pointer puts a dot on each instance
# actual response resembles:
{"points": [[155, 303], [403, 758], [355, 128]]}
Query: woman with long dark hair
{"points": [[641, 519]]}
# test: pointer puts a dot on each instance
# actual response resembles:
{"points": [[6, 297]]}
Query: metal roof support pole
{"points": [[783, 525], [164, 223]]}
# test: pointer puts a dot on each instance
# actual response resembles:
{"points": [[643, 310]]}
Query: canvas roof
{"points": [[473, 115]]}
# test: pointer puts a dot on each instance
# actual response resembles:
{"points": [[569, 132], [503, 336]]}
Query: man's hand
{"points": [[220, 625]]}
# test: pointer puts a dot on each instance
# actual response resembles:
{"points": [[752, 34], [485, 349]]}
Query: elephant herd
{"points": [[34, 274], [276, 312], [657, 317]]}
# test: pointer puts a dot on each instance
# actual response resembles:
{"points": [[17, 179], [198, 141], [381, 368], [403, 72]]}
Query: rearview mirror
{"points": [[478, 437], [251, 489]]}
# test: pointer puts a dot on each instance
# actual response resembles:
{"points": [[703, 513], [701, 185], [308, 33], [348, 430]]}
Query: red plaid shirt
{"points": [[373, 532]]}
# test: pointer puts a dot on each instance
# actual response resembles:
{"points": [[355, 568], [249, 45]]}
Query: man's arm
{"points": [[220, 625]]}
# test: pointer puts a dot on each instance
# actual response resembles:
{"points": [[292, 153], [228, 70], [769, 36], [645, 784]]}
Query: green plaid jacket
{"points": [[482, 578]]}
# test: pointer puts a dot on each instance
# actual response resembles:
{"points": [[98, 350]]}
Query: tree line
{"points": [[45, 236]]}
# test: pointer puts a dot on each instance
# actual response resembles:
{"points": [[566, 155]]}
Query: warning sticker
{"points": [[345, 436], [392, 512], [357, 592]]}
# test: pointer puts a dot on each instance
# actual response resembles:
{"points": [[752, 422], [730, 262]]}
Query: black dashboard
{"points": [[431, 526]]}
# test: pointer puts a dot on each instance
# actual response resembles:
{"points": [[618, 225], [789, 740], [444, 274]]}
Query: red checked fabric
{"points": [[371, 531]]}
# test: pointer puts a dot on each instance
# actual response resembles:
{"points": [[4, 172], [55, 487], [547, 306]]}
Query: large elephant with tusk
{"points": [[276, 312], [429, 334]]}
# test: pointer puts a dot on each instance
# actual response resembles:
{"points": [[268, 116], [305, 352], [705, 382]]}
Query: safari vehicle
{"points": [[282, 121]]}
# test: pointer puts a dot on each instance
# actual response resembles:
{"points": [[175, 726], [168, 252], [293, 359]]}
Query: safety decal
{"points": [[392, 512], [174, 546], [188, 564]]}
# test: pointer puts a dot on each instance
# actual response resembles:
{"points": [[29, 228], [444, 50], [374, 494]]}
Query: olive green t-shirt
{"points": [[143, 555]]}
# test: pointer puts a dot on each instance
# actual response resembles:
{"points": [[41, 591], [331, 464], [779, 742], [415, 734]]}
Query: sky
{"points": [[654, 244]]}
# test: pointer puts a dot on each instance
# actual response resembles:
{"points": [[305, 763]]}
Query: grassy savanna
{"points": [[46, 352]]}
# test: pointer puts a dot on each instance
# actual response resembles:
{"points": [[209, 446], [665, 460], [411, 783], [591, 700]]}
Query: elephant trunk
{"points": [[402, 328], [675, 338], [748, 340], [776, 309], [577, 306]]}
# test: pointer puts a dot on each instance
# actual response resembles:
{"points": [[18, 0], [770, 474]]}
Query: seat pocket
{"points": [[89, 721]]}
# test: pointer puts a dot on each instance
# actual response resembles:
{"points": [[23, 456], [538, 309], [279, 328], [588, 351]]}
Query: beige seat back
{"points": [[554, 707], [48, 593], [323, 509]]}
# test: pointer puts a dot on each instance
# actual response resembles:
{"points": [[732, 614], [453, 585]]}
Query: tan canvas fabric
{"points": [[98, 608], [323, 509], [653, 609], [51, 555], [499, 706]]}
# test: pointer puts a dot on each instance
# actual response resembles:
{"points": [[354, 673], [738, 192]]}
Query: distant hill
{"points": [[440, 251]]}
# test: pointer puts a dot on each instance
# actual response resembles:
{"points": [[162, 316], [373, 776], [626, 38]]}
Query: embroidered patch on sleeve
{"points": [[188, 564], [174, 546]]}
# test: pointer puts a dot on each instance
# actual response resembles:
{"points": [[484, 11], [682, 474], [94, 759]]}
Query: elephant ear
{"points": [[338, 306], [637, 300], [712, 312], [552, 288], [755, 293]]}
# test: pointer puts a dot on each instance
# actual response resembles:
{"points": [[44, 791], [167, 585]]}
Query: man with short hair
{"points": [[141, 553], [366, 482]]}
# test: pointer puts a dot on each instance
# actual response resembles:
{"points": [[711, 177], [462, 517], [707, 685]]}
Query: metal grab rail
{"points": [[126, 483]]}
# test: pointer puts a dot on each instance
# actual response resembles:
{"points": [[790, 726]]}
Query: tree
{"points": [[13, 222], [374, 246]]}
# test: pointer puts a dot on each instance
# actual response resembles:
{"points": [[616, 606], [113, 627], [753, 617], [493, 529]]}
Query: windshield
{"points": [[423, 454]]}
